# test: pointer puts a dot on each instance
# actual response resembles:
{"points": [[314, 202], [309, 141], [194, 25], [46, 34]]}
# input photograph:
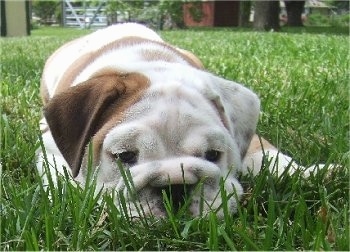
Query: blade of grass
{"points": [[213, 232]]}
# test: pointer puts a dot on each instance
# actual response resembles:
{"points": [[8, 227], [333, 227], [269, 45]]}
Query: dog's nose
{"points": [[177, 194]]}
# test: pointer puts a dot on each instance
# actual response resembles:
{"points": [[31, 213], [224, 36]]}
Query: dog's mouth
{"points": [[175, 196], [164, 201]]}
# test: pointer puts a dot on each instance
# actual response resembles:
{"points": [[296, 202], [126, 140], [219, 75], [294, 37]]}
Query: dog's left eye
{"points": [[212, 155], [128, 157]]}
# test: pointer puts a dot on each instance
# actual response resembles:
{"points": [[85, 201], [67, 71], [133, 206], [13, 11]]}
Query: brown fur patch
{"points": [[256, 145], [157, 55], [196, 61]]}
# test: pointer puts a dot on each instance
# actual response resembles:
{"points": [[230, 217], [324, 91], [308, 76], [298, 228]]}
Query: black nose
{"points": [[177, 194]]}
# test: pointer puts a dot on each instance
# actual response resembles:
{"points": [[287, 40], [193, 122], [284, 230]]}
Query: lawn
{"points": [[303, 82]]}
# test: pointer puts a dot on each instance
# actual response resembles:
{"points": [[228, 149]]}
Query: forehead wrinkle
{"points": [[166, 96], [183, 129], [206, 138], [175, 115]]}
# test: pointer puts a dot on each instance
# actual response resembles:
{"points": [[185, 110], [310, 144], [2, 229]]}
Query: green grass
{"points": [[303, 82]]}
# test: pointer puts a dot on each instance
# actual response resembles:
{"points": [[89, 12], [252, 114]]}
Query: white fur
{"points": [[50, 156], [277, 161]]}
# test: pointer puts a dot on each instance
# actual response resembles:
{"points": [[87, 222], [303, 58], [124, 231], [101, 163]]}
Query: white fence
{"points": [[84, 17]]}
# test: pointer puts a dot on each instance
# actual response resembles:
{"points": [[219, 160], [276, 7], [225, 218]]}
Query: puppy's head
{"points": [[177, 135]]}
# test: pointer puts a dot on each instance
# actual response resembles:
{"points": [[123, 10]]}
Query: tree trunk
{"points": [[294, 11], [244, 13], [266, 15]]}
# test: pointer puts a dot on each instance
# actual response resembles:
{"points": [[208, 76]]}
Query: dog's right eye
{"points": [[128, 157], [212, 155]]}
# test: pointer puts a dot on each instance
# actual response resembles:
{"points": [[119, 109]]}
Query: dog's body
{"points": [[153, 107]]}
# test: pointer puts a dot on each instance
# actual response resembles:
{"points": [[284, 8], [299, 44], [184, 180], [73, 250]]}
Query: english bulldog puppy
{"points": [[153, 108]]}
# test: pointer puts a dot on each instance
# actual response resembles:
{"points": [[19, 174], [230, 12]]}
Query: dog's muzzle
{"points": [[178, 180]]}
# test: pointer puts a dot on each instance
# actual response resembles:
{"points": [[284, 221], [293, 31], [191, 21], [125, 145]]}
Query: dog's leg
{"points": [[261, 151]]}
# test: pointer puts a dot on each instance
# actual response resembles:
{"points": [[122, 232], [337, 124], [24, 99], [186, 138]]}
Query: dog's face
{"points": [[173, 136], [167, 121], [179, 134]]}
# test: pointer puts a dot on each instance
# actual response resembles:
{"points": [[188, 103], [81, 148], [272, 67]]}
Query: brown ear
{"points": [[75, 115]]}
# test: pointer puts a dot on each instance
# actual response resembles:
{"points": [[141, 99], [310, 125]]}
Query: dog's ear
{"points": [[76, 114], [239, 110]]}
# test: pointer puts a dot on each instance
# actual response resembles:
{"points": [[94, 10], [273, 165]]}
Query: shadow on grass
{"points": [[317, 30], [284, 29]]}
